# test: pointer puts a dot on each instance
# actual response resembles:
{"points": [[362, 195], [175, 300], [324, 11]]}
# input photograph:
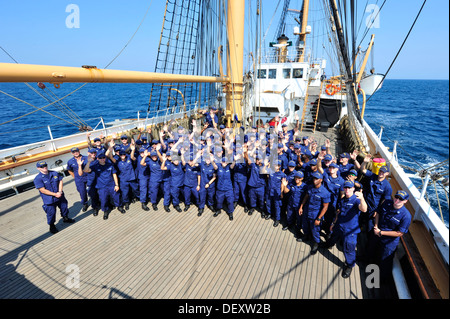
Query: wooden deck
{"points": [[161, 255]]}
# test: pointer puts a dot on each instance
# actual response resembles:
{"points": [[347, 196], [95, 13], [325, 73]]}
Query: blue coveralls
{"points": [[143, 174], [105, 185], [347, 227], [224, 189], [312, 208], [176, 181], [256, 186], [190, 183], [91, 187], [382, 249], [374, 194], [156, 178], [50, 182], [80, 181], [167, 184], [206, 195], [333, 185], [296, 194], [127, 179], [274, 193], [240, 182], [345, 169]]}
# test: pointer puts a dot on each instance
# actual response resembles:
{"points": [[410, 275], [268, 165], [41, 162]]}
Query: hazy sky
{"points": [[35, 32]]}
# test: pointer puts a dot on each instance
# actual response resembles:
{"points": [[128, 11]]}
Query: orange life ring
{"points": [[333, 91]]}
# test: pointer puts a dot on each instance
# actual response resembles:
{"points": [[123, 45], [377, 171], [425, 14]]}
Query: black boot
{"points": [[200, 212], [105, 215], [166, 208], [53, 229], [120, 208], [85, 207], [251, 210], [314, 248], [127, 206], [95, 213], [145, 207], [178, 209], [346, 271], [155, 207], [230, 216], [68, 220], [217, 213], [186, 208]]}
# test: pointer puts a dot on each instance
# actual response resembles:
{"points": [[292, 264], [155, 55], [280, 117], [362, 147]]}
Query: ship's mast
{"points": [[305, 9], [235, 63]]}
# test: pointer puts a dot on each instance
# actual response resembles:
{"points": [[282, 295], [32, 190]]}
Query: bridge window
{"points": [[298, 73], [262, 73], [286, 73], [272, 73]]}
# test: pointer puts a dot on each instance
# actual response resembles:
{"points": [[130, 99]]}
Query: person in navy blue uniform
{"points": [[376, 190], [392, 221], [107, 183], [211, 118], [174, 166], [313, 208], [80, 181], [50, 186], [296, 191], [91, 182], [346, 225], [143, 174], [256, 182], [240, 180], [127, 176], [274, 198], [156, 174], [125, 146], [333, 183], [207, 184], [345, 166], [224, 187], [192, 178]]}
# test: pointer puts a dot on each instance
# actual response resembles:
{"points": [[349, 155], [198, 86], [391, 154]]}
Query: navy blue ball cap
{"points": [[354, 172], [349, 184], [124, 137], [144, 138], [92, 150], [333, 165], [122, 152], [313, 162], [153, 153], [317, 175], [384, 169], [291, 164], [299, 174], [97, 139], [74, 149], [328, 157], [41, 164], [345, 155], [402, 195], [101, 155]]}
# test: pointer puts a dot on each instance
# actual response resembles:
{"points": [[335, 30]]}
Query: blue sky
{"points": [[35, 32]]}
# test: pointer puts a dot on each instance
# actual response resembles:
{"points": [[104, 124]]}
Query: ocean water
{"points": [[413, 112]]}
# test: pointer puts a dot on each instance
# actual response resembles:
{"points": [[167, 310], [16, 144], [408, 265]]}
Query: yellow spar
{"points": [[11, 72]]}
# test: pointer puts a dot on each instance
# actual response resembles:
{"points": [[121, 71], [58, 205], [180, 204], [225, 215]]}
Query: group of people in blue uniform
{"points": [[279, 174]]}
